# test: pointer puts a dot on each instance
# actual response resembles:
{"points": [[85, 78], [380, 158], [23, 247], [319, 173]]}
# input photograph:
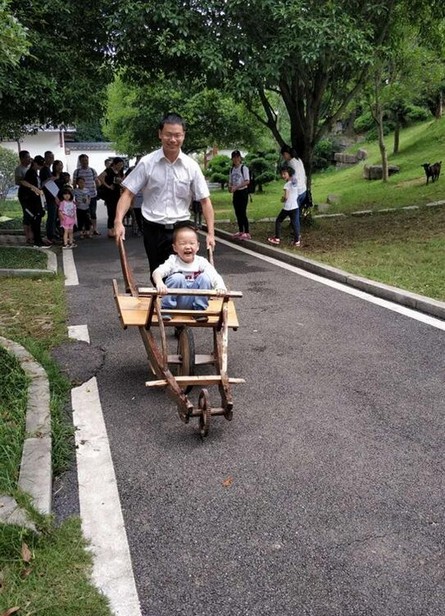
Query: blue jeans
{"points": [[186, 302], [294, 216]]}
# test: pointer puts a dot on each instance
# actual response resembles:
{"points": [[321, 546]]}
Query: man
{"points": [[91, 183], [169, 180], [19, 175], [46, 174], [239, 179]]}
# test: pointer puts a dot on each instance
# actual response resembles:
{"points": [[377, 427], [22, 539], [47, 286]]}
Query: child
{"points": [[291, 207], [67, 215], [82, 199], [186, 270]]}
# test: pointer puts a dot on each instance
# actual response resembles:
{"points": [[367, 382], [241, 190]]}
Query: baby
{"points": [[186, 270]]}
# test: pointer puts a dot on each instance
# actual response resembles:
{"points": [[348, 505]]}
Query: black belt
{"points": [[170, 226]]}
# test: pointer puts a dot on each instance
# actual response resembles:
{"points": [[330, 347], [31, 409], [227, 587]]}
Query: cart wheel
{"points": [[228, 413], [186, 350], [204, 406]]}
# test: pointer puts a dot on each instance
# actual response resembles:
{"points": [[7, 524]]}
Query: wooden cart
{"points": [[141, 307]]}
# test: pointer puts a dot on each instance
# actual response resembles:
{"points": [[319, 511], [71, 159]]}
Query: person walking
{"points": [[238, 182], [291, 199], [169, 180], [91, 183]]}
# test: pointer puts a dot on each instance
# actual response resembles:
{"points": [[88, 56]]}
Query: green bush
{"points": [[218, 169], [324, 153], [417, 114]]}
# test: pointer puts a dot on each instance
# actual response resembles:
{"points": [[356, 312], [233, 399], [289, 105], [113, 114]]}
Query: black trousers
{"points": [[158, 241], [240, 201]]}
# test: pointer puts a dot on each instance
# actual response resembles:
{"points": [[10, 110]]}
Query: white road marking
{"points": [[408, 312], [79, 332], [69, 268], [100, 509]]}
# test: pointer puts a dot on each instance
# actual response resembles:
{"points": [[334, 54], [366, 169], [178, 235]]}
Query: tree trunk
{"points": [[395, 149], [382, 146]]}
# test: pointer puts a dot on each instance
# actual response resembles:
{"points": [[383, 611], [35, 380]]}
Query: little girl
{"points": [[291, 199], [67, 215]]}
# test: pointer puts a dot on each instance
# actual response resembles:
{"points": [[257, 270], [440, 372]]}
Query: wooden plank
{"points": [[133, 311], [210, 379]]}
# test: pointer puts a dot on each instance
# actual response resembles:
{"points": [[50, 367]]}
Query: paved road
{"points": [[323, 496]]}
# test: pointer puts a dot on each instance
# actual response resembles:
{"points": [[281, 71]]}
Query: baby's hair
{"points": [[290, 170], [180, 228], [66, 190]]}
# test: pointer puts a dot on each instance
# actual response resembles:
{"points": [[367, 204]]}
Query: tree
{"points": [[8, 163], [314, 55], [63, 76], [401, 72], [262, 166], [13, 39], [134, 112], [218, 169]]}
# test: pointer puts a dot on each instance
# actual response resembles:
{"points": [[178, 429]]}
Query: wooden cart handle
{"points": [[151, 291]]}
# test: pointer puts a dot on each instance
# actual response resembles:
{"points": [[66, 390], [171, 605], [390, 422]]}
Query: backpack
{"points": [[251, 184]]}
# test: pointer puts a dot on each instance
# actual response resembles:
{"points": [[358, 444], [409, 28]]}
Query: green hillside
{"points": [[422, 143]]}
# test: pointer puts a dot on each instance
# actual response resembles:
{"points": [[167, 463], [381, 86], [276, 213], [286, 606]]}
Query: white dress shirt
{"points": [[167, 188]]}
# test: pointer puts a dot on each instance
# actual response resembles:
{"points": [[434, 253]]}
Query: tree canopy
{"points": [[315, 55], [62, 78], [134, 113]]}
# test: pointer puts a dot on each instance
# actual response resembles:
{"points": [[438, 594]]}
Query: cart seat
{"points": [[133, 312]]}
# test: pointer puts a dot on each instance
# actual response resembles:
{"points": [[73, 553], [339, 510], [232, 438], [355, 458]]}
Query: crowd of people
{"points": [[69, 203]]}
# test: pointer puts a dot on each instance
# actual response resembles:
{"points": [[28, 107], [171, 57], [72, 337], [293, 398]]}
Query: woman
{"points": [[32, 199], [56, 171], [111, 179], [296, 163]]}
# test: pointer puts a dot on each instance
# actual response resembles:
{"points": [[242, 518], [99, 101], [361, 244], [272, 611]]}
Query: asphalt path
{"points": [[323, 496]]}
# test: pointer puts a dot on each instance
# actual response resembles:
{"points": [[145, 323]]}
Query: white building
{"points": [[60, 142]]}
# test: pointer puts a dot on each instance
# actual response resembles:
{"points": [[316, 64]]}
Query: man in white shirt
{"points": [[169, 181]]}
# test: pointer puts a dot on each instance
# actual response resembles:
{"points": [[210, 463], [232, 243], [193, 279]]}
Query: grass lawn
{"points": [[46, 574], [22, 258]]}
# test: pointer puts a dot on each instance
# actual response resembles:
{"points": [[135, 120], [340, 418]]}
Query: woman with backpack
{"points": [[239, 180]]}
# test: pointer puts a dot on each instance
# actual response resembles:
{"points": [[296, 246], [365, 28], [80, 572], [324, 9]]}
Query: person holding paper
{"points": [[51, 206]]}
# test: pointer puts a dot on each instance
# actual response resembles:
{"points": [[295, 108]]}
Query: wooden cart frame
{"points": [[141, 307]]}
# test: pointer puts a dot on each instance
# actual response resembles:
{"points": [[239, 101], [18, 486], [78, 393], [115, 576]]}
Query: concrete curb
{"points": [[421, 303], [51, 267], [35, 476]]}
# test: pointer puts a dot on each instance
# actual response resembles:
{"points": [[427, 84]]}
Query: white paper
{"points": [[52, 187]]}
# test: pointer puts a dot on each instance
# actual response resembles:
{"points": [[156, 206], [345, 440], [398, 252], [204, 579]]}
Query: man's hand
{"points": [[210, 241], [119, 231]]}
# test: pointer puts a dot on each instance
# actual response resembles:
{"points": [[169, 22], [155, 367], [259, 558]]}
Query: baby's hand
{"points": [[161, 288], [221, 292]]}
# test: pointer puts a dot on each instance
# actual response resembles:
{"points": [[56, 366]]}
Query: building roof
{"points": [[106, 146]]}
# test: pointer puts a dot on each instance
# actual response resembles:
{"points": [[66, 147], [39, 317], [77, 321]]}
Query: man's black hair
{"points": [[172, 118]]}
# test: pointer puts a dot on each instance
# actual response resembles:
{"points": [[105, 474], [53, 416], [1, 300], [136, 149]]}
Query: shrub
{"points": [[8, 163], [218, 169]]}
